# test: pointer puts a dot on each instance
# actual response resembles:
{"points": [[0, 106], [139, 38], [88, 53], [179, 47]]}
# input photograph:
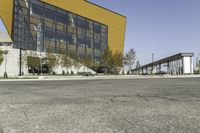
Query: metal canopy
{"points": [[168, 59]]}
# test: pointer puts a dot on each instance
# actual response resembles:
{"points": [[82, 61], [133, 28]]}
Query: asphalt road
{"points": [[101, 106]]}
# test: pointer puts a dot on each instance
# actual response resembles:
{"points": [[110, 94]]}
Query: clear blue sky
{"points": [[163, 27]]}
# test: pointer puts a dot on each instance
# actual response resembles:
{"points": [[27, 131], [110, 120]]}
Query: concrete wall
{"points": [[188, 65], [12, 64]]}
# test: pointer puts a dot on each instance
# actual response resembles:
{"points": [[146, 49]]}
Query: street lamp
{"points": [[5, 52], [198, 64], [41, 62], [152, 62], [153, 57]]}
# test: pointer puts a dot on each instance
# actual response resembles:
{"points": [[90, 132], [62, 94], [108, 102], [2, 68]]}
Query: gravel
{"points": [[101, 106]]}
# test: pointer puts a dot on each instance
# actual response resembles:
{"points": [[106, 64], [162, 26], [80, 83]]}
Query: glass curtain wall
{"points": [[40, 27]]}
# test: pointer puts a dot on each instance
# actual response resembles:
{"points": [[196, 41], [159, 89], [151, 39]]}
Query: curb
{"points": [[62, 78]]}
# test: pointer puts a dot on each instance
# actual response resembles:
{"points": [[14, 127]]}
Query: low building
{"points": [[179, 64]]}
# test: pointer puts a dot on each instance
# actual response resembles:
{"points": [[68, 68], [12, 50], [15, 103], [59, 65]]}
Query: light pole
{"points": [[5, 52], [198, 62], [153, 57], [152, 62], [41, 62]]}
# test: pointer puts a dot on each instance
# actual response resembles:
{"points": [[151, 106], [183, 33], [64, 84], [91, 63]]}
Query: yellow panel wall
{"points": [[116, 23], [6, 11]]}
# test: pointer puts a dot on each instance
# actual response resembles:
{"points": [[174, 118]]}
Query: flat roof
{"points": [[170, 58]]}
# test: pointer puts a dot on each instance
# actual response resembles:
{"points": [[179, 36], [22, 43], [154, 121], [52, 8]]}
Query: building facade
{"points": [[79, 28]]}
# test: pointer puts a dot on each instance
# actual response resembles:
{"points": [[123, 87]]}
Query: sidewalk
{"points": [[104, 77]]}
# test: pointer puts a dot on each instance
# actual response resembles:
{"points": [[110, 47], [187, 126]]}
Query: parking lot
{"points": [[101, 106]]}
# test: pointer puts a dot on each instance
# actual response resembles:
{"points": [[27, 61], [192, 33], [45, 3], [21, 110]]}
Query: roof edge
{"points": [[105, 8], [187, 54]]}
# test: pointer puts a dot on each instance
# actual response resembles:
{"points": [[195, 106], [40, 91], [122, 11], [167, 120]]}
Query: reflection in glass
{"points": [[39, 26]]}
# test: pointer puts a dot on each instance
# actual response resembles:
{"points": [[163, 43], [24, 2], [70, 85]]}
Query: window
{"points": [[59, 29], [97, 27], [82, 23]]}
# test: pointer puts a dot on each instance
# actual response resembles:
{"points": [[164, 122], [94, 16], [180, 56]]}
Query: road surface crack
{"points": [[143, 97]]}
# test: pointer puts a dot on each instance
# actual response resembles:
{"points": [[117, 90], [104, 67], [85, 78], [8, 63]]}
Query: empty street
{"points": [[101, 106]]}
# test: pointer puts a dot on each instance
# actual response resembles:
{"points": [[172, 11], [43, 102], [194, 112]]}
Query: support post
{"points": [[191, 67], [152, 69], [20, 62], [41, 63], [159, 67], [142, 70], [168, 70]]}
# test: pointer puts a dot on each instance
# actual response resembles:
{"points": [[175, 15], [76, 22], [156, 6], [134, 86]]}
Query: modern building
{"points": [[78, 27]]}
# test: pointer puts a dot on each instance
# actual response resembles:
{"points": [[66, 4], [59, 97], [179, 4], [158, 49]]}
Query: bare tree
{"points": [[65, 61], [76, 63], [138, 66], [24, 60], [61, 57], [51, 59], [118, 61], [107, 59], [129, 59], [88, 62], [33, 62]]}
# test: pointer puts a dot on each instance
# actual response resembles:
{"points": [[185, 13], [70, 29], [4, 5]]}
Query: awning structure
{"points": [[180, 63]]}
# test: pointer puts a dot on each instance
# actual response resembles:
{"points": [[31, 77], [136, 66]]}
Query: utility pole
{"points": [[153, 57], [152, 62], [20, 62], [198, 62], [41, 62]]}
